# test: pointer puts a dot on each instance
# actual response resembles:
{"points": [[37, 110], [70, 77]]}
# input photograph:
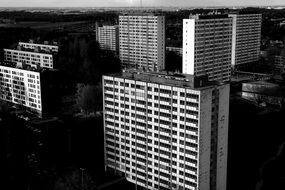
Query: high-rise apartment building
{"points": [[207, 46], [246, 38], [166, 131], [142, 41], [108, 37], [30, 88]]}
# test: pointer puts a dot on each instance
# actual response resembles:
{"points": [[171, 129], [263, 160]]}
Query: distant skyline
{"points": [[127, 3]]}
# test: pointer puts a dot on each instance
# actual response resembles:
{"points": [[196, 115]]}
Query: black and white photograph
{"points": [[142, 95]]}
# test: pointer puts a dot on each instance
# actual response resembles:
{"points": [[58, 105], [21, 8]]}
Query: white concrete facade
{"points": [[142, 41], [33, 59], [21, 87], [188, 46], [159, 133]]}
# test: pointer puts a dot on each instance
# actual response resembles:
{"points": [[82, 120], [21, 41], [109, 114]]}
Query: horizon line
{"points": [[254, 6]]}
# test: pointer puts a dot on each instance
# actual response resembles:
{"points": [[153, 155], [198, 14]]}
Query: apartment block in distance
{"points": [[176, 50], [166, 131], [142, 41], [43, 47], [108, 37], [30, 88], [207, 46], [34, 55], [246, 39]]}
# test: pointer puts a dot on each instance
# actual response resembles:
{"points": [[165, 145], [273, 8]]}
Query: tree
{"points": [[82, 60], [97, 62], [3, 107], [272, 171], [74, 179], [173, 62], [89, 98]]}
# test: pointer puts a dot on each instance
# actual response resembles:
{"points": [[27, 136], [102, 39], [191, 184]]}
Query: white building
{"points": [[40, 47], [108, 37], [207, 46], [142, 41], [246, 38], [166, 131], [29, 57], [24, 86]]}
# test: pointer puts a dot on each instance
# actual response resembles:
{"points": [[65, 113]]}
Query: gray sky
{"points": [[114, 3]]}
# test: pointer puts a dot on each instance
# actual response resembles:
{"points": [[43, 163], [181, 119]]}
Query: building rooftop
{"points": [[244, 12], [208, 16], [38, 50], [167, 78], [23, 66], [45, 43], [108, 26], [141, 14]]}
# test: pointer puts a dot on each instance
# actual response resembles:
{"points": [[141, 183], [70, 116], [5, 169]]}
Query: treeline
{"points": [[20, 16], [79, 60], [82, 60], [83, 64], [9, 37], [80, 56]]}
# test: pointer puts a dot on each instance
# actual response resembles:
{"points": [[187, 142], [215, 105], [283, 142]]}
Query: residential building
{"points": [[108, 37], [32, 57], [142, 41], [264, 92], [246, 39], [279, 63], [39, 47], [30, 88], [242, 76], [207, 46], [166, 131]]}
